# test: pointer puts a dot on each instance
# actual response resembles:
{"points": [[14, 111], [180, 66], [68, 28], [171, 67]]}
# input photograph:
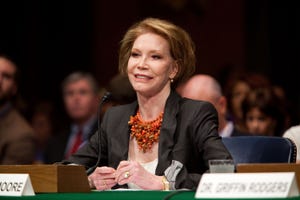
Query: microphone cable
{"points": [[105, 98]]}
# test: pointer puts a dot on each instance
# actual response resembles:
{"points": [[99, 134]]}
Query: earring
{"points": [[172, 80]]}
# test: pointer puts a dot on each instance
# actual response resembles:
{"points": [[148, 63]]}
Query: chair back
{"points": [[261, 149]]}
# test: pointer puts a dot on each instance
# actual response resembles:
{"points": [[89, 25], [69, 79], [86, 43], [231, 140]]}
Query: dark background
{"points": [[50, 39]]}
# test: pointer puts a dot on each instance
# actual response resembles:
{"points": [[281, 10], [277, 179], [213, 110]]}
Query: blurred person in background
{"points": [[17, 143], [43, 123], [206, 88], [80, 96], [236, 89], [263, 113], [293, 133], [121, 92]]}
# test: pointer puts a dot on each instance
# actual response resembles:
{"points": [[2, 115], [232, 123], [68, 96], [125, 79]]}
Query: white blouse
{"points": [[150, 167]]}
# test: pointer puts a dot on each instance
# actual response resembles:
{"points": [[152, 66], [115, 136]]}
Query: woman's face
{"points": [[258, 123], [150, 65]]}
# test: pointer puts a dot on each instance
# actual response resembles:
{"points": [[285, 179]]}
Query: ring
{"points": [[90, 182], [126, 175], [104, 184]]}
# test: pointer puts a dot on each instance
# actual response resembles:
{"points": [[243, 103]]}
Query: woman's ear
{"points": [[174, 70]]}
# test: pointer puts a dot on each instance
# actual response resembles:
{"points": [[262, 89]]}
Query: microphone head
{"points": [[106, 96]]}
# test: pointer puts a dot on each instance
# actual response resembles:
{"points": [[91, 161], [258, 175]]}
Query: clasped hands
{"points": [[104, 178]]}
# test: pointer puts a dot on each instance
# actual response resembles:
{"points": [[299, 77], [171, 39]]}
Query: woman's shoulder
{"points": [[187, 103], [196, 109]]}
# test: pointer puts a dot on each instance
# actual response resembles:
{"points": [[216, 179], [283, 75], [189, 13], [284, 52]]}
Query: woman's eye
{"points": [[133, 54], [156, 57]]}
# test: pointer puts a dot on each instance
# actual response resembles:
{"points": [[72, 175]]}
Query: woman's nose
{"points": [[142, 63], [255, 124]]}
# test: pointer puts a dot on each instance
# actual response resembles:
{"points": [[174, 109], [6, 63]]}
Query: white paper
{"points": [[15, 185], [248, 185]]}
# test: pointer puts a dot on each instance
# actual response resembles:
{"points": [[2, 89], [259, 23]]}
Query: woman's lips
{"points": [[142, 76]]}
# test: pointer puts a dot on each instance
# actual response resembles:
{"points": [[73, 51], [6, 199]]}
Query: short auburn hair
{"points": [[182, 48]]}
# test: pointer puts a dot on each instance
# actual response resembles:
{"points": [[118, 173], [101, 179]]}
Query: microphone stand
{"points": [[105, 98]]}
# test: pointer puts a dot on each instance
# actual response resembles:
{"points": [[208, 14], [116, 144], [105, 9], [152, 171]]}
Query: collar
{"points": [[168, 128], [87, 127]]}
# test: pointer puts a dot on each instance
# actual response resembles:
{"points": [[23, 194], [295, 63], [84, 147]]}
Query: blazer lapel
{"points": [[167, 132], [124, 128]]}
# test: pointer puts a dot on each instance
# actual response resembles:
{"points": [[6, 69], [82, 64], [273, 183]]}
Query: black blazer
{"points": [[188, 139]]}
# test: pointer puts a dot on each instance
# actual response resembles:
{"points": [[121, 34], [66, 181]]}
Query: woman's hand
{"points": [[133, 172], [103, 178]]}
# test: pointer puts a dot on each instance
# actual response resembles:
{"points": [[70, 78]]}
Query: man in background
{"points": [[121, 90], [206, 88], [17, 143], [80, 96]]}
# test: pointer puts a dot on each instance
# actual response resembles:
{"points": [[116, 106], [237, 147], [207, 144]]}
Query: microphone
{"points": [[105, 98]]}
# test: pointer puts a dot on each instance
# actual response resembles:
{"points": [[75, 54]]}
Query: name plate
{"points": [[247, 185], [15, 185]]}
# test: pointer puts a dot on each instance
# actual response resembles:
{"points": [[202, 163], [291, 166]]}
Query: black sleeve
{"points": [[204, 143]]}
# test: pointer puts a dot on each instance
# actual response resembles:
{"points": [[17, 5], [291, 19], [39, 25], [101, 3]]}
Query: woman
{"points": [[263, 113], [161, 141], [237, 88]]}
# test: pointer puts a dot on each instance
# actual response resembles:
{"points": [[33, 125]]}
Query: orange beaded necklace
{"points": [[145, 133]]}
